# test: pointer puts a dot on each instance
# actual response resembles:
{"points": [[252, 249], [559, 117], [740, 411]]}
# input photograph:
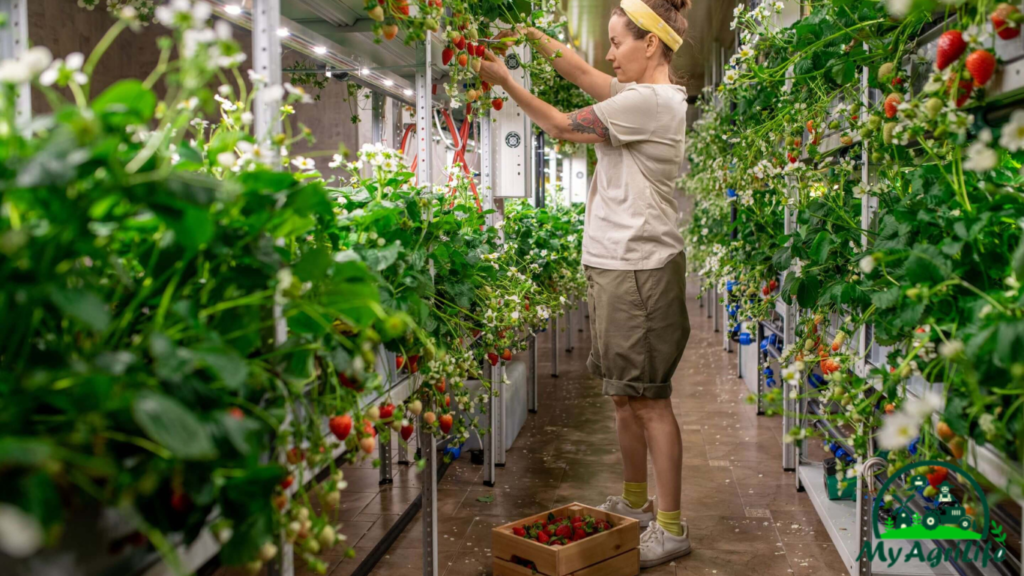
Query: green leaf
{"points": [[126, 102], [807, 291], [82, 305], [231, 368], [822, 244], [168, 423], [486, 499], [886, 298], [783, 258], [1018, 261], [927, 265], [314, 265]]}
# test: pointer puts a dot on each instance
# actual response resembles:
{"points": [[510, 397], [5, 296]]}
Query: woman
{"points": [[632, 248]]}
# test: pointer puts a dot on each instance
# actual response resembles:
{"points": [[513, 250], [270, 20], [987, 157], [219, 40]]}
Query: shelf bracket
{"points": [[14, 41]]}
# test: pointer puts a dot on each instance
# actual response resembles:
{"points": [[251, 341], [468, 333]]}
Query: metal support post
{"points": [[428, 444], [486, 169], [581, 306], [266, 51], [266, 56], [713, 307], [531, 376], [865, 503], [377, 117], [700, 292], [385, 455], [568, 329], [14, 41], [490, 440], [554, 346], [497, 392], [428, 481], [397, 126]]}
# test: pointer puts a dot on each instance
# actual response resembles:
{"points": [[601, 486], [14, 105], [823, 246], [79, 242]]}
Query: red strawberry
{"points": [[506, 354], [891, 103], [287, 482], [445, 422], [498, 104], [387, 410], [810, 126], [463, 60], [577, 520], [407, 431], [399, 362], [543, 537], [519, 531], [236, 413], [476, 333], [348, 383], [341, 426], [414, 364], [447, 401], [564, 531], [459, 42], [481, 50], [579, 534], [962, 91], [180, 501], [951, 46], [792, 159], [471, 48], [485, 86], [446, 55], [492, 358], [1005, 21], [937, 476], [294, 456], [981, 64]]}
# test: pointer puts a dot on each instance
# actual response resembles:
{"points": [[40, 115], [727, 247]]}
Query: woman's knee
{"points": [[650, 409], [621, 403]]}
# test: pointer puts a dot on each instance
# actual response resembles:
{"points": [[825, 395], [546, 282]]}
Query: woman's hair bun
{"points": [[680, 4]]}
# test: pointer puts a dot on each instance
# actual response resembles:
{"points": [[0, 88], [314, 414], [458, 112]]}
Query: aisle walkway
{"points": [[744, 514]]}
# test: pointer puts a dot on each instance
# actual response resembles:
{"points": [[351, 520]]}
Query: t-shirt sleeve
{"points": [[629, 115]]}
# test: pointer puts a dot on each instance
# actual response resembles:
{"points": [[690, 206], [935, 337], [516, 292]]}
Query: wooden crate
{"points": [[611, 553]]}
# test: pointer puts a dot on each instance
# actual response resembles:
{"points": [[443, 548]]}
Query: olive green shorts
{"points": [[639, 327]]}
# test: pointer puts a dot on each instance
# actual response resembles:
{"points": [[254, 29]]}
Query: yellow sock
{"points": [[635, 494], [671, 522]]}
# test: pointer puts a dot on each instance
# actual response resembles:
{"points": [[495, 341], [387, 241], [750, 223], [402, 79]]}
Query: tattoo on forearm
{"points": [[585, 121]]}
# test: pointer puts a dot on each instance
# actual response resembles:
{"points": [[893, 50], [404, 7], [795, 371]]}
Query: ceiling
{"points": [[708, 20]]}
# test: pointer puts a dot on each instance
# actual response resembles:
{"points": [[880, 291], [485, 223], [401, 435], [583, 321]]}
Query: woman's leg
{"points": [[666, 444], [632, 443]]}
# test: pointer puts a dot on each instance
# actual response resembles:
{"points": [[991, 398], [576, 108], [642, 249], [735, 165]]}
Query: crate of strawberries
{"points": [[573, 539]]}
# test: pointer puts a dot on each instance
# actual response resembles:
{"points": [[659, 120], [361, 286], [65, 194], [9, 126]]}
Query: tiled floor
{"points": [[744, 514]]}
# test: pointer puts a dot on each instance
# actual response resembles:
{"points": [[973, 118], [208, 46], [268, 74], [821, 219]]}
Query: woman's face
{"points": [[627, 54]]}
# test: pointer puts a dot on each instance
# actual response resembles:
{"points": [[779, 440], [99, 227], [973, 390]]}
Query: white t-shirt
{"points": [[632, 214]]}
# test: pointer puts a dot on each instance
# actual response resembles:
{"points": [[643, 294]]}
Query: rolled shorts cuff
{"points": [[620, 388]]}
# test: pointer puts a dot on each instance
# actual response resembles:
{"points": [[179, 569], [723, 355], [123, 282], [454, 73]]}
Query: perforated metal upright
{"points": [[486, 164], [531, 375], [266, 56], [378, 129], [789, 405], [428, 444], [568, 329], [14, 41], [553, 328]]}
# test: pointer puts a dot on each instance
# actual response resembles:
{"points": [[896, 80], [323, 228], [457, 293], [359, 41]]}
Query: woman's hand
{"points": [[493, 70]]}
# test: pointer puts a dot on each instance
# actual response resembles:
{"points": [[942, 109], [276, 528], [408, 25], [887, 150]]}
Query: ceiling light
{"points": [[364, 71], [320, 50], [282, 32], [233, 9], [407, 92], [389, 82]]}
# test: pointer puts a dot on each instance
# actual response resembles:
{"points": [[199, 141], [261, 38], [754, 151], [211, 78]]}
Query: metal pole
{"points": [[568, 330], [531, 376], [377, 117], [428, 444], [14, 41], [428, 480], [397, 125], [498, 393], [266, 50], [486, 169], [490, 440], [581, 306], [554, 346]]}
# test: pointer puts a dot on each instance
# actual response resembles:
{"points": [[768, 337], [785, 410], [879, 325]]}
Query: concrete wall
{"points": [[64, 27]]}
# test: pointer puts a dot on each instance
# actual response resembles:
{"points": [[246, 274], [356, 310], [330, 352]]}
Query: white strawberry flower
{"points": [[303, 163], [62, 72]]}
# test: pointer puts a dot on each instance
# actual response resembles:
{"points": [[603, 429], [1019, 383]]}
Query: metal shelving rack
{"points": [[336, 37], [848, 523]]}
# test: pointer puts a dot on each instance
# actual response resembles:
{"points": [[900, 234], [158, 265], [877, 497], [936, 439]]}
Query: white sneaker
{"points": [[658, 546], [619, 505]]}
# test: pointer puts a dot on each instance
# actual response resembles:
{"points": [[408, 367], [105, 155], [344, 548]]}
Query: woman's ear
{"points": [[651, 44]]}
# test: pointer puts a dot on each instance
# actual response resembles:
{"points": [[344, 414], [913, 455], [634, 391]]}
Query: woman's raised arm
{"points": [[572, 67]]}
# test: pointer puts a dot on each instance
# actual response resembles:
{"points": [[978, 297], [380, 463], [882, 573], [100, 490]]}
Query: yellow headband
{"points": [[642, 15]]}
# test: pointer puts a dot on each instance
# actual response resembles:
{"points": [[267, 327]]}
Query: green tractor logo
{"points": [[915, 506]]}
